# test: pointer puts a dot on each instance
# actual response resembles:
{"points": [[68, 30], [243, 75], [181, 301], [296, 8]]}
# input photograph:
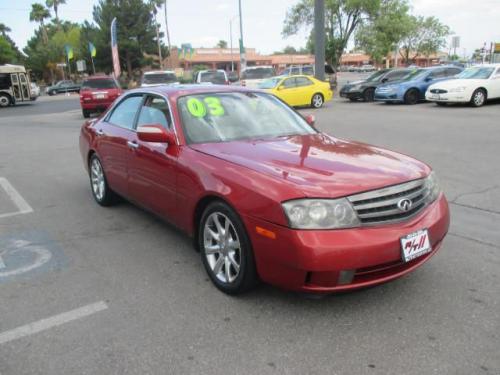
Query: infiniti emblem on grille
{"points": [[405, 205]]}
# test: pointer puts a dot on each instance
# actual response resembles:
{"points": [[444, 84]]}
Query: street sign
{"points": [[61, 65], [81, 66]]}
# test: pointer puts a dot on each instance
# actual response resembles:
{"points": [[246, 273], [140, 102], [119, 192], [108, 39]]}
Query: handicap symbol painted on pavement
{"points": [[27, 253]]}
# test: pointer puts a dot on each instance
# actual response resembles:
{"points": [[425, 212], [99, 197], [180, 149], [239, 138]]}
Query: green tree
{"points": [[39, 14], [55, 4], [4, 29], [382, 33], [136, 35], [425, 36], [342, 18], [221, 44], [7, 53]]}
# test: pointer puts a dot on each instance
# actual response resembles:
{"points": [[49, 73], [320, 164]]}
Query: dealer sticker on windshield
{"points": [[415, 245]]}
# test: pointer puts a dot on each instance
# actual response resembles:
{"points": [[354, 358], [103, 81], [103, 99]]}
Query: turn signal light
{"points": [[265, 233]]}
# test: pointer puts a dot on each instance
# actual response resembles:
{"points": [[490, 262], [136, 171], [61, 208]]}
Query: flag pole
{"points": [[93, 66]]}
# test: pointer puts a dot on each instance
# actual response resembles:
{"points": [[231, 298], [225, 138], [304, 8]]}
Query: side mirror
{"points": [[155, 133], [384, 80], [310, 119]]}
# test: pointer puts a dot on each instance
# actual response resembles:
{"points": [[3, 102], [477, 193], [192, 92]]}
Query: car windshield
{"points": [[159, 78], [375, 76], [222, 117], [105, 83], [258, 73], [476, 73], [269, 83], [213, 77]]}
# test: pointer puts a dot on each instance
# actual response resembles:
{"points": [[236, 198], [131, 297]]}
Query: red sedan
{"points": [[98, 93], [263, 193]]}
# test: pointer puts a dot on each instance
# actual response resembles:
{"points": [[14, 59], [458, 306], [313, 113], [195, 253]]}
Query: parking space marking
{"points": [[22, 206], [51, 322]]}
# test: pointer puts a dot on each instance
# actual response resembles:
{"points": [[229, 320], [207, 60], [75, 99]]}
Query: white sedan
{"points": [[474, 85]]}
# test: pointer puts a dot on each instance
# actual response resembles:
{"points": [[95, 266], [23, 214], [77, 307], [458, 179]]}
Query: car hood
{"points": [[457, 82], [319, 165]]}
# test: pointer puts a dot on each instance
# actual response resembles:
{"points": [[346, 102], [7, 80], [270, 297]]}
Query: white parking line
{"points": [[53, 321], [22, 206]]}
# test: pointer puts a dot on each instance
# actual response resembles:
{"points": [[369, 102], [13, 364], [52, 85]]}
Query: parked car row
{"points": [[441, 84]]}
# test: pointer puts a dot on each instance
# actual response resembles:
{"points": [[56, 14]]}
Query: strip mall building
{"points": [[227, 59]]}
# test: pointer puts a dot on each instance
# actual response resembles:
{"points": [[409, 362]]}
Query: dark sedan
{"points": [[63, 87], [365, 89]]}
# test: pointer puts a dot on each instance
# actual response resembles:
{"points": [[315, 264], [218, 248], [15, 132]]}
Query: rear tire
{"points": [[411, 97], [317, 101], [226, 251], [478, 98], [369, 94]]}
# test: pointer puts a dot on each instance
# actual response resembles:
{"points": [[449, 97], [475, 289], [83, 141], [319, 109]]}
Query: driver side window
{"points": [[125, 112]]}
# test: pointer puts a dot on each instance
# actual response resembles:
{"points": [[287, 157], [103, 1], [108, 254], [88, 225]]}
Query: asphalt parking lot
{"points": [[92, 290]]}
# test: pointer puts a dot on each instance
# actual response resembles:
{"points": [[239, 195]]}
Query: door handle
{"points": [[99, 132], [132, 144]]}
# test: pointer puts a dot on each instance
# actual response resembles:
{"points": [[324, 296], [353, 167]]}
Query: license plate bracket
{"points": [[415, 245]]}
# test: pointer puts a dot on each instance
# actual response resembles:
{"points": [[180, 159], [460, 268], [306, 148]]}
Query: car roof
{"points": [[159, 72], [99, 77], [189, 89]]}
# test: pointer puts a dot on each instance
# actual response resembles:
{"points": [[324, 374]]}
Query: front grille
{"points": [[438, 91], [381, 206]]}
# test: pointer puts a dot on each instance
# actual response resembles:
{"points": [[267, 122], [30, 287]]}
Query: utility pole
{"points": [[319, 39], [243, 61], [168, 36], [231, 40]]}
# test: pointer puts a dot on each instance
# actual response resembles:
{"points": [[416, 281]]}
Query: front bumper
{"points": [[326, 261], [351, 94], [387, 96], [459, 97]]}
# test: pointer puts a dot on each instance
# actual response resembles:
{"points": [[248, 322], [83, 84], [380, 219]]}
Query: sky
{"points": [[204, 22]]}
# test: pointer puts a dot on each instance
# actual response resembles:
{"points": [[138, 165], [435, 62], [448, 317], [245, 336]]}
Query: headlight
{"points": [[432, 187], [320, 214], [458, 89]]}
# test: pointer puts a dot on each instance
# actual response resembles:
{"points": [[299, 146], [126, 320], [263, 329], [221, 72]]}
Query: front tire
{"points": [[85, 113], [317, 101], [411, 97], [225, 249], [101, 192], [5, 100], [369, 95], [478, 98]]}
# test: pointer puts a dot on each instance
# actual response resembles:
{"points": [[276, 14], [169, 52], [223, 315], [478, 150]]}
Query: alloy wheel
{"points": [[317, 101], [222, 247], [97, 179], [478, 98]]}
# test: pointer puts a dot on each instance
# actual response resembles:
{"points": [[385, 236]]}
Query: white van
{"points": [[14, 85]]}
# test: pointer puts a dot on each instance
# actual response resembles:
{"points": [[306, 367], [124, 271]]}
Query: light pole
{"points": [[231, 40], [243, 62], [319, 39]]}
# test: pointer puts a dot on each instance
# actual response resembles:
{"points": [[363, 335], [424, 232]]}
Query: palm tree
{"points": [[38, 14], [55, 4], [155, 5], [4, 29]]}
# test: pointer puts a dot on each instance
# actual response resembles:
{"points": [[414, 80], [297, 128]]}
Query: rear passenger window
{"points": [[302, 81], [289, 83], [155, 110]]}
